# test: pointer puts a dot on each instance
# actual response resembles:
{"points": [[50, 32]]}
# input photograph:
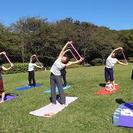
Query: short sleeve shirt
{"points": [[110, 62], [57, 67]]}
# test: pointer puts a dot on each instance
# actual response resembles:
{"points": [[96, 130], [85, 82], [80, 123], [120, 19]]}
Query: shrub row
{"points": [[18, 68], [23, 67]]}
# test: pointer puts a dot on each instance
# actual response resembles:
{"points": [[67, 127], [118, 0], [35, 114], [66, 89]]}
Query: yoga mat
{"points": [[125, 115], [9, 97], [103, 91], [52, 109], [64, 88], [28, 87]]}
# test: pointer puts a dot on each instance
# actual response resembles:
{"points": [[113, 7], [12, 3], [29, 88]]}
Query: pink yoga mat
{"points": [[52, 109]]}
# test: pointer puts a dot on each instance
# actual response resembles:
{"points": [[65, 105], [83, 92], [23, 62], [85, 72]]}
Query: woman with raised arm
{"points": [[3, 68], [31, 71], [55, 77], [109, 72]]}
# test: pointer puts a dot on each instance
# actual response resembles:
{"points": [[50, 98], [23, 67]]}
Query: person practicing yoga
{"points": [[3, 68], [31, 71], [56, 79], [109, 72]]}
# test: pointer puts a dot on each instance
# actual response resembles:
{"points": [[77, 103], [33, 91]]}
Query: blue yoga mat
{"points": [[27, 87], [64, 88]]}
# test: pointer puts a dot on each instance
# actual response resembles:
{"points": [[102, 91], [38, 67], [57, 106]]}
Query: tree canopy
{"points": [[35, 35]]}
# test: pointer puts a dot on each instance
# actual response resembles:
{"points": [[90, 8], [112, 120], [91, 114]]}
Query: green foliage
{"points": [[35, 35], [127, 38], [96, 62], [18, 68]]}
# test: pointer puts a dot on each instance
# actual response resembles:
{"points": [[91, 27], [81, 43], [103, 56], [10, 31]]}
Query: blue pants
{"points": [[109, 74], [57, 81]]}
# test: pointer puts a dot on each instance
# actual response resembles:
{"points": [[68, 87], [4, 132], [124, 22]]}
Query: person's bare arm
{"points": [[6, 69], [66, 51], [32, 57], [11, 64], [63, 49], [74, 62], [38, 66], [117, 49], [121, 63], [2, 53]]}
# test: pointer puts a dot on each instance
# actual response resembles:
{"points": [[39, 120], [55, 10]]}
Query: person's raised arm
{"points": [[63, 49], [11, 64], [66, 51], [32, 57], [6, 69], [117, 49], [2, 53], [74, 62]]}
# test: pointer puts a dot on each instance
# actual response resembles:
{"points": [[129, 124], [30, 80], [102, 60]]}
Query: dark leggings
{"points": [[63, 74], [31, 78], [64, 79], [56, 81], [109, 74]]}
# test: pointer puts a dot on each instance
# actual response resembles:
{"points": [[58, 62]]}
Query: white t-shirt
{"points": [[31, 67], [110, 62], [57, 67]]}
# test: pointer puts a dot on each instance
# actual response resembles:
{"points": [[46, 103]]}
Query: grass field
{"points": [[89, 114]]}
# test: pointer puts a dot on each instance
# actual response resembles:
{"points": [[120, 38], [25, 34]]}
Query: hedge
{"points": [[23, 67], [18, 68], [96, 62]]}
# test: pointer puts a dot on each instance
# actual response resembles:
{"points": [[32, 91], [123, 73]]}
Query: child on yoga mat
{"points": [[109, 72], [31, 72], [55, 77], [3, 68]]}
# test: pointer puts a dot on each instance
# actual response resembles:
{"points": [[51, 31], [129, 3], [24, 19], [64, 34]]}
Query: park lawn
{"points": [[89, 114]]}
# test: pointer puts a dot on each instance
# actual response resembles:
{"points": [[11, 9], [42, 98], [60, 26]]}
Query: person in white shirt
{"points": [[56, 78], [31, 72], [109, 72]]}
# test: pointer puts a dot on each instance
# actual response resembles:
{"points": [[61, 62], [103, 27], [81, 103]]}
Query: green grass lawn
{"points": [[89, 114]]}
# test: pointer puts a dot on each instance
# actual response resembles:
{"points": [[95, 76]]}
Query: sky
{"points": [[114, 14]]}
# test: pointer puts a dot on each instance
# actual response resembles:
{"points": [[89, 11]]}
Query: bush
{"points": [[23, 67], [130, 59], [18, 68], [96, 62]]}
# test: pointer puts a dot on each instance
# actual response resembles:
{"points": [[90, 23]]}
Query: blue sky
{"points": [[115, 14]]}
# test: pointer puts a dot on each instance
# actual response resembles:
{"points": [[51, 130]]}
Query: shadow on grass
{"points": [[121, 101], [102, 84], [10, 94]]}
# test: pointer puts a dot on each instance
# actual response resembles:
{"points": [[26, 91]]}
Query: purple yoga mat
{"points": [[9, 97], [126, 121]]}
